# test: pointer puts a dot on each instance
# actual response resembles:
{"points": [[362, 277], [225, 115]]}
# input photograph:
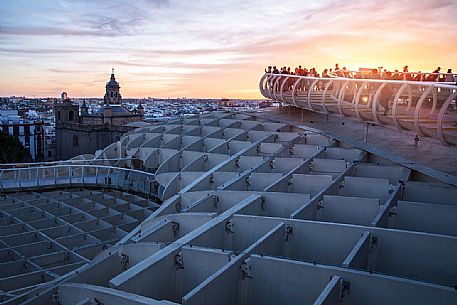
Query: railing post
{"points": [[69, 173], [313, 84], [410, 97], [418, 109], [37, 176], [435, 100], [261, 84], [439, 122], [137, 181], [281, 91], [374, 108], [341, 96], [394, 106], [366, 132], [118, 175], [275, 86], [108, 182], [357, 100], [294, 91], [324, 106], [268, 86]]}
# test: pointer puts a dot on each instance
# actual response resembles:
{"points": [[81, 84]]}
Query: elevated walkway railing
{"points": [[106, 162], [406, 76], [70, 175], [423, 107]]}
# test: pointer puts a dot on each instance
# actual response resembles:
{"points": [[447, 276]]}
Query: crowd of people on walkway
{"points": [[386, 94], [378, 73]]}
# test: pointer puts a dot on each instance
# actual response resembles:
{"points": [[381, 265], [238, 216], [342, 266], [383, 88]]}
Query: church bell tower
{"points": [[112, 95]]}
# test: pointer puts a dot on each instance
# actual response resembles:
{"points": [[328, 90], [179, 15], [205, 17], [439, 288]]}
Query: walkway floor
{"points": [[428, 156]]}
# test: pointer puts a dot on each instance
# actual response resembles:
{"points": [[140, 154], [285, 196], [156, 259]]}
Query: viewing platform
{"points": [[425, 107]]}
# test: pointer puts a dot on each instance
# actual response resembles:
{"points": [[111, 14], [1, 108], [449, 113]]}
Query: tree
{"points": [[12, 150]]}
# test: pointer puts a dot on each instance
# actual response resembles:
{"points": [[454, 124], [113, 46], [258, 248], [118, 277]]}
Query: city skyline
{"points": [[177, 48]]}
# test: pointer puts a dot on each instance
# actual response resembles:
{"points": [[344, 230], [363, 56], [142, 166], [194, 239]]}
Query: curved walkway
{"points": [[424, 107], [71, 175]]}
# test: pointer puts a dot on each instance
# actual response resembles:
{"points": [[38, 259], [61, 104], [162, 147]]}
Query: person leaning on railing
{"points": [[435, 75], [395, 76], [419, 76], [325, 73], [449, 77]]}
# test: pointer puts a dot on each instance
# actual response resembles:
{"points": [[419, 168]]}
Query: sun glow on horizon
{"points": [[168, 48]]}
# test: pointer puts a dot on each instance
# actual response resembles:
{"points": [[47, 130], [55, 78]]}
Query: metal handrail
{"points": [[446, 85], [50, 163], [76, 166], [73, 174], [403, 74]]}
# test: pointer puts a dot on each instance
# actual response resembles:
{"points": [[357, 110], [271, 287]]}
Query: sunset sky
{"points": [[199, 48]]}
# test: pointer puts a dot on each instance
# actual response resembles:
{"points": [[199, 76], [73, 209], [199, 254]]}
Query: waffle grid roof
{"points": [[253, 212]]}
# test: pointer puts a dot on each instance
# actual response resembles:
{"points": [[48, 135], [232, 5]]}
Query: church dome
{"points": [[112, 83]]}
